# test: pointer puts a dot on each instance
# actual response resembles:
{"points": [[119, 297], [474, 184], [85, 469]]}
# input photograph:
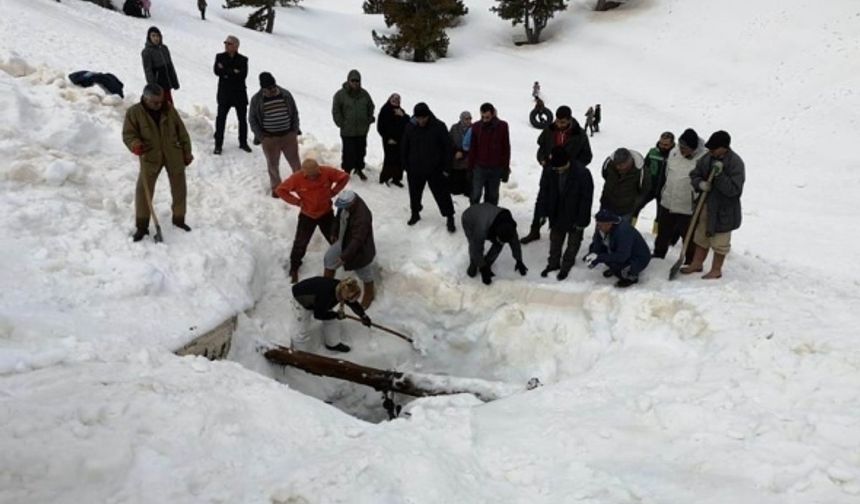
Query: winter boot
{"points": [[562, 274], [716, 267], [549, 269], [415, 218], [450, 224], [626, 282], [368, 295], [697, 264], [328, 273], [487, 275], [472, 271], [180, 223], [397, 183], [361, 175], [608, 273], [142, 230], [340, 347], [245, 147], [294, 276], [534, 235]]}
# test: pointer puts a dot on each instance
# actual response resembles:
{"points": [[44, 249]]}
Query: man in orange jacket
{"points": [[311, 189]]}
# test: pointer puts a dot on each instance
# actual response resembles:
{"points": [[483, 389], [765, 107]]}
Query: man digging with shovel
{"points": [[321, 295], [154, 132]]}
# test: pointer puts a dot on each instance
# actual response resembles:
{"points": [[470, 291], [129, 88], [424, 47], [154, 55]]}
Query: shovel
{"points": [[157, 237], [383, 328], [680, 262]]}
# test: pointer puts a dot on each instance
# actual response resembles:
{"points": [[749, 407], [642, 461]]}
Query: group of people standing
{"points": [[472, 159]]}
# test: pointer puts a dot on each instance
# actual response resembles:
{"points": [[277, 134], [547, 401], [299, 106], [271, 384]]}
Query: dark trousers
{"points": [[630, 269], [556, 243], [651, 196], [354, 150], [304, 232], [460, 182], [221, 120], [438, 186], [671, 227], [486, 181], [391, 167]]}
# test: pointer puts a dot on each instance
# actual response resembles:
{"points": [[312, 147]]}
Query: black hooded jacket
{"points": [[157, 65], [426, 150]]}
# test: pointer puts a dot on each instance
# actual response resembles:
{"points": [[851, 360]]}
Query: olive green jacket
{"points": [[166, 144], [352, 110]]}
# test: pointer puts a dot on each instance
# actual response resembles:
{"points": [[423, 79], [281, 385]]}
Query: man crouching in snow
{"points": [[486, 221], [619, 246], [320, 295]]}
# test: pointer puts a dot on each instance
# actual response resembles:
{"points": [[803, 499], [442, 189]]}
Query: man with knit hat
{"points": [[564, 132], [487, 222], [426, 150], [620, 247], [352, 111], [566, 193], [719, 175], [311, 189], [676, 198], [274, 119], [353, 247], [321, 295]]}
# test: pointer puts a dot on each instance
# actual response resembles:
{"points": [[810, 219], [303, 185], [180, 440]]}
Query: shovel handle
{"points": [[382, 328]]}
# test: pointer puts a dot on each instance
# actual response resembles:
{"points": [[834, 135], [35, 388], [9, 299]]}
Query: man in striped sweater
{"points": [[274, 119]]}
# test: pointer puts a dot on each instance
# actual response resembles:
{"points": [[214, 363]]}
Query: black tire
{"points": [[540, 118]]}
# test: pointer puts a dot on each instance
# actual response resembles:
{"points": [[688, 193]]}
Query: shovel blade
{"points": [[676, 268]]}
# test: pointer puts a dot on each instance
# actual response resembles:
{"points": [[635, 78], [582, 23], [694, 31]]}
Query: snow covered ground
{"points": [[743, 391]]}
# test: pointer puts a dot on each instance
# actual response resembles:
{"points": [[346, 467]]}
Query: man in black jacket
{"points": [[320, 295], [427, 155], [566, 132], [566, 192], [231, 69]]}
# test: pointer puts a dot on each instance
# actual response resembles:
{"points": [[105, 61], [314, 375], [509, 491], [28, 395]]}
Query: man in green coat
{"points": [[352, 111], [154, 132]]}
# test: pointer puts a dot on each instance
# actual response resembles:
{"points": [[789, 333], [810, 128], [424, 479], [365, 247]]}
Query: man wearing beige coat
{"points": [[154, 132]]}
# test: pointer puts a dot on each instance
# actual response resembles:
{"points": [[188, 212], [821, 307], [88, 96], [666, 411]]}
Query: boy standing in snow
{"points": [[320, 295], [721, 213], [620, 247], [154, 132], [231, 69], [311, 189], [352, 111], [274, 119]]}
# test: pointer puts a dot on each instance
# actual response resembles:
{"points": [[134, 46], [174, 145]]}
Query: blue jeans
{"points": [[486, 181]]}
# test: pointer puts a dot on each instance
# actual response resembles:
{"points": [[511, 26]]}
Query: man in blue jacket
{"points": [[620, 247]]}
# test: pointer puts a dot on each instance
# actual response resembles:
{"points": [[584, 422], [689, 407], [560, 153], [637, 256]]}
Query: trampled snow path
{"points": [[740, 391]]}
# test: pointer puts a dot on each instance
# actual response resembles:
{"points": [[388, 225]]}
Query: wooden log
{"points": [[418, 385]]}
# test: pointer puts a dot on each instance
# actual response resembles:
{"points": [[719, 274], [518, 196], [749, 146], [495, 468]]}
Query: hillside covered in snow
{"points": [[742, 390]]}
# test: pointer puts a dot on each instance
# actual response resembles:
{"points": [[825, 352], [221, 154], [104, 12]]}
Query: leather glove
{"points": [[340, 315], [366, 321], [138, 149], [486, 275], [521, 268], [506, 175], [257, 141], [704, 186], [188, 159], [717, 168]]}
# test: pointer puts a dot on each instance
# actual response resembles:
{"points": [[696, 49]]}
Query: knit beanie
{"points": [[266, 80]]}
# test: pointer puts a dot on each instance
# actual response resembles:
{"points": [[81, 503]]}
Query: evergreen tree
{"points": [[605, 5], [262, 19], [421, 27], [372, 6], [532, 14]]}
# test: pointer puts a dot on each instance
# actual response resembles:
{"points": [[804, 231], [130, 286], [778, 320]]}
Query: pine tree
{"points": [[605, 5], [262, 19], [421, 27], [372, 6], [532, 14]]}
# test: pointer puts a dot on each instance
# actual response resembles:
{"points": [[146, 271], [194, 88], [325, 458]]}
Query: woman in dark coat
{"points": [[391, 124], [157, 65]]}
